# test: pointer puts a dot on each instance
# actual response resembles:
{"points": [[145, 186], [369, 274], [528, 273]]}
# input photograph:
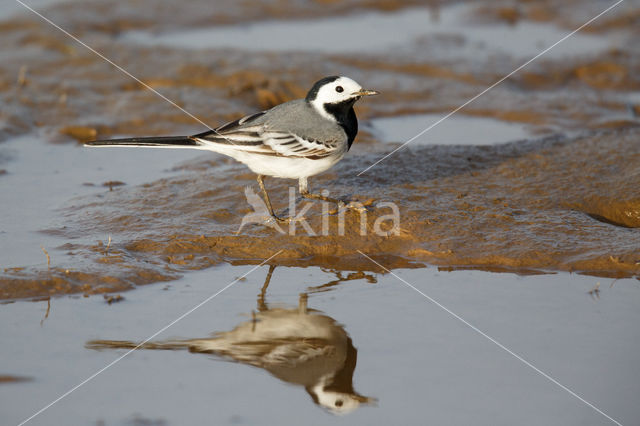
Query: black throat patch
{"points": [[345, 116]]}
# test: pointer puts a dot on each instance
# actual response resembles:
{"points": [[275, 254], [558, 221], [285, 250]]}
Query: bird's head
{"points": [[336, 90], [342, 403]]}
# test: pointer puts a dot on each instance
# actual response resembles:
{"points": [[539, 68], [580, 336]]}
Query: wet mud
{"points": [[520, 205], [566, 198], [523, 207]]}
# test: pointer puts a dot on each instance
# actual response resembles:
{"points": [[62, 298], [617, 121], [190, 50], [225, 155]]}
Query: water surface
{"points": [[417, 361], [377, 33], [454, 130]]}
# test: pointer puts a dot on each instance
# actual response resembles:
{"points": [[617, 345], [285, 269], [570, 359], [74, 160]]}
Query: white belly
{"points": [[283, 167], [290, 168]]}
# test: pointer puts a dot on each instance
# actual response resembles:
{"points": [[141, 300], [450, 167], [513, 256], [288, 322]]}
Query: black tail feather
{"points": [[159, 141]]}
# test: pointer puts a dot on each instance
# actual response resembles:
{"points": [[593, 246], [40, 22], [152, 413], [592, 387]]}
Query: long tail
{"points": [[209, 345], [125, 344], [153, 142]]}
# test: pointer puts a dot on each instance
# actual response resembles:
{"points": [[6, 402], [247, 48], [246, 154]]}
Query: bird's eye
{"points": [[339, 89], [339, 403]]}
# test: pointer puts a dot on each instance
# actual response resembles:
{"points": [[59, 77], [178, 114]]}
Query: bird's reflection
{"points": [[301, 346]]}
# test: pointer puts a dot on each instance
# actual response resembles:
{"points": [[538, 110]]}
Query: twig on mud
{"points": [[46, 315], [46, 254]]}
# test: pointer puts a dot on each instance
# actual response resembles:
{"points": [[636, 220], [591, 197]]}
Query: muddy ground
{"points": [[566, 198]]}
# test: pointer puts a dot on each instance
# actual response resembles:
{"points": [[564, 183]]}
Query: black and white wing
{"points": [[252, 135]]}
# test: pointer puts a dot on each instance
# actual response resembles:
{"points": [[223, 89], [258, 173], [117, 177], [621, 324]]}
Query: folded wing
{"points": [[253, 135]]}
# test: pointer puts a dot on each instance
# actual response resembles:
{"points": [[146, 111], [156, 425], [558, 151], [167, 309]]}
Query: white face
{"points": [[337, 402], [339, 90]]}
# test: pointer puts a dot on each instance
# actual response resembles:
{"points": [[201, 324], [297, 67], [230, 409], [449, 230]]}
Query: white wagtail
{"points": [[293, 140]]}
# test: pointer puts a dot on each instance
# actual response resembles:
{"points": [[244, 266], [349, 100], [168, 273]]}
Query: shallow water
{"points": [[454, 130], [378, 33], [414, 358], [51, 184], [12, 7]]}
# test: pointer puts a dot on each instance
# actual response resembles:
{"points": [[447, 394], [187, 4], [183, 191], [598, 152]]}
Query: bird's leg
{"points": [[262, 304], [302, 303], [268, 201], [304, 191], [266, 195]]}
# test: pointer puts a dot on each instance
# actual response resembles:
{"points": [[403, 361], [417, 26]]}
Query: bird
{"points": [[293, 140], [298, 345]]}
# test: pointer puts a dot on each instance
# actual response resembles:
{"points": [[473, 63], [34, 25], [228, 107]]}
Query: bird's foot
{"points": [[281, 220], [285, 220], [357, 206]]}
